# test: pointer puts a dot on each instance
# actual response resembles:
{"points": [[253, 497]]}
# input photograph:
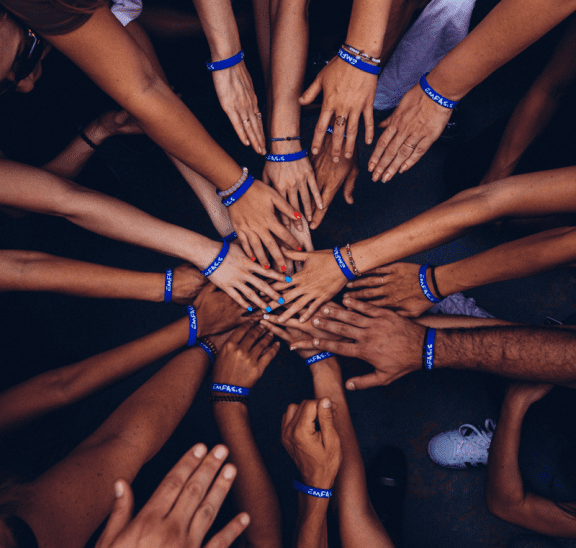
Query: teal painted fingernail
{"points": [[250, 309], [288, 279], [281, 300], [268, 309]]}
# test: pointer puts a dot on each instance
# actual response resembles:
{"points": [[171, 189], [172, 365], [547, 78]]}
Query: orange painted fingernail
{"points": [[297, 215], [266, 266], [252, 259], [283, 268]]}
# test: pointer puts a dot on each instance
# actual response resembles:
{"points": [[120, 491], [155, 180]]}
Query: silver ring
{"points": [[341, 120], [259, 115], [247, 121], [409, 145]]}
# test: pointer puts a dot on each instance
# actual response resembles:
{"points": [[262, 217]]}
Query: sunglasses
{"points": [[26, 62]]}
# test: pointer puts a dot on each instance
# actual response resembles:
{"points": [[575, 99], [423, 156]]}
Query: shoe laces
{"points": [[479, 437]]}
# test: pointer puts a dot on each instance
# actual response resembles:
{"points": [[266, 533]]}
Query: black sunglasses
{"points": [[26, 62]]}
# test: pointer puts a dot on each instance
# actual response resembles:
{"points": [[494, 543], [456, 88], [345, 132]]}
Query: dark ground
{"points": [[443, 508]]}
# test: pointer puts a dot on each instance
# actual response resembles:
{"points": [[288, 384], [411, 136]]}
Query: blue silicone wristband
{"points": [[206, 349], [342, 264], [424, 285], [193, 326], [225, 63], [287, 157], [318, 358], [330, 130], [237, 194], [358, 63], [428, 350], [168, 287], [230, 238], [435, 96], [218, 260], [231, 389], [306, 489]]}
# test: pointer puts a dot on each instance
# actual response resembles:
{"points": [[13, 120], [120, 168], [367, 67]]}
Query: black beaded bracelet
{"points": [[229, 399], [276, 139], [84, 137]]}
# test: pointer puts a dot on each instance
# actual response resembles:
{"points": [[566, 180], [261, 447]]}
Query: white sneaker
{"points": [[462, 447]]}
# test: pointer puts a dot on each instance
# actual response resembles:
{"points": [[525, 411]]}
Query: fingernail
{"points": [[118, 489], [262, 151], [283, 268], [347, 302], [292, 348], [351, 386], [346, 295], [244, 519], [300, 228], [371, 167], [335, 159], [266, 317], [247, 143], [309, 218], [229, 472], [199, 451], [387, 177], [314, 151], [321, 206], [369, 141], [220, 453], [280, 320], [250, 309], [281, 300], [316, 342], [288, 279], [312, 226], [401, 170], [326, 404], [268, 309], [326, 310], [252, 259], [348, 155], [297, 215], [299, 248], [266, 266], [315, 321]]}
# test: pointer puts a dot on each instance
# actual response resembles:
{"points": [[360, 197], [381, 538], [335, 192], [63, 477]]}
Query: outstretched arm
{"points": [[505, 494]]}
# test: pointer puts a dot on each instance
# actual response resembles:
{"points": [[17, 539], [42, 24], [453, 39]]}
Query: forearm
{"points": [[537, 354], [533, 194], [253, 489], [219, 25], [506, 31], [34, 271], [504, 485], [367, 25], [518, 259], [66, 385], [311, 528]]}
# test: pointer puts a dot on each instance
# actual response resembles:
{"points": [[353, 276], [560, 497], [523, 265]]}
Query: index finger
{"points": [[307, 419], [239, 333]]}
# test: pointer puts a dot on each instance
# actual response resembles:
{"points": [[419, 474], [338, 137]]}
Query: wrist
{"points": [[363, 43], [96, 133], [285, 147], [443, 85]]}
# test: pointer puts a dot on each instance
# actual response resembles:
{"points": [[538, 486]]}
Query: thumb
{"points": [[349, 187], [366, 381], [326, 421], [120, 515], [312, 92], [295, 255]]}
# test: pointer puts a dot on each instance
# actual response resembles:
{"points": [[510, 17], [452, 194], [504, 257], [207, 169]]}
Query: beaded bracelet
{"points": [[428, 349], [168, 286], [352, 263], [229, 200], [286, 157], [276, 139], [225, 63], [85, 138], [424, 285], [358, 63], [229, 399], [318, 358], [342, 264], [434, 95], [218, 260], [208, 351], [235, 186], [365, 56], [307, 490], [209, 344], [232, 389], [193, 326]]}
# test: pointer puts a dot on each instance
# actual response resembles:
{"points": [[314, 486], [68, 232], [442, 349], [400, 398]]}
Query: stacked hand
{"points": [[187, 283]]}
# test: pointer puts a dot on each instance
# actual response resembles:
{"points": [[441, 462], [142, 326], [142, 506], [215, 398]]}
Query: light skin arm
{"points": [[505, 494], [66, 385], [241, 362], [506, 31], [396, 286]]}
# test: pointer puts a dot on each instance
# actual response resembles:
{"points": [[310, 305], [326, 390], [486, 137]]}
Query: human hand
{"points": [[304, 242], [316, 453], [245, 356], [238, 100], [291, 179], [526, 393], [390, 343], [331, 176], [237, 271], [187, 282], [410, 131], [181, 510], [254, 220], [347, 92], [319, 280], [217, 312], [395, 286]]}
